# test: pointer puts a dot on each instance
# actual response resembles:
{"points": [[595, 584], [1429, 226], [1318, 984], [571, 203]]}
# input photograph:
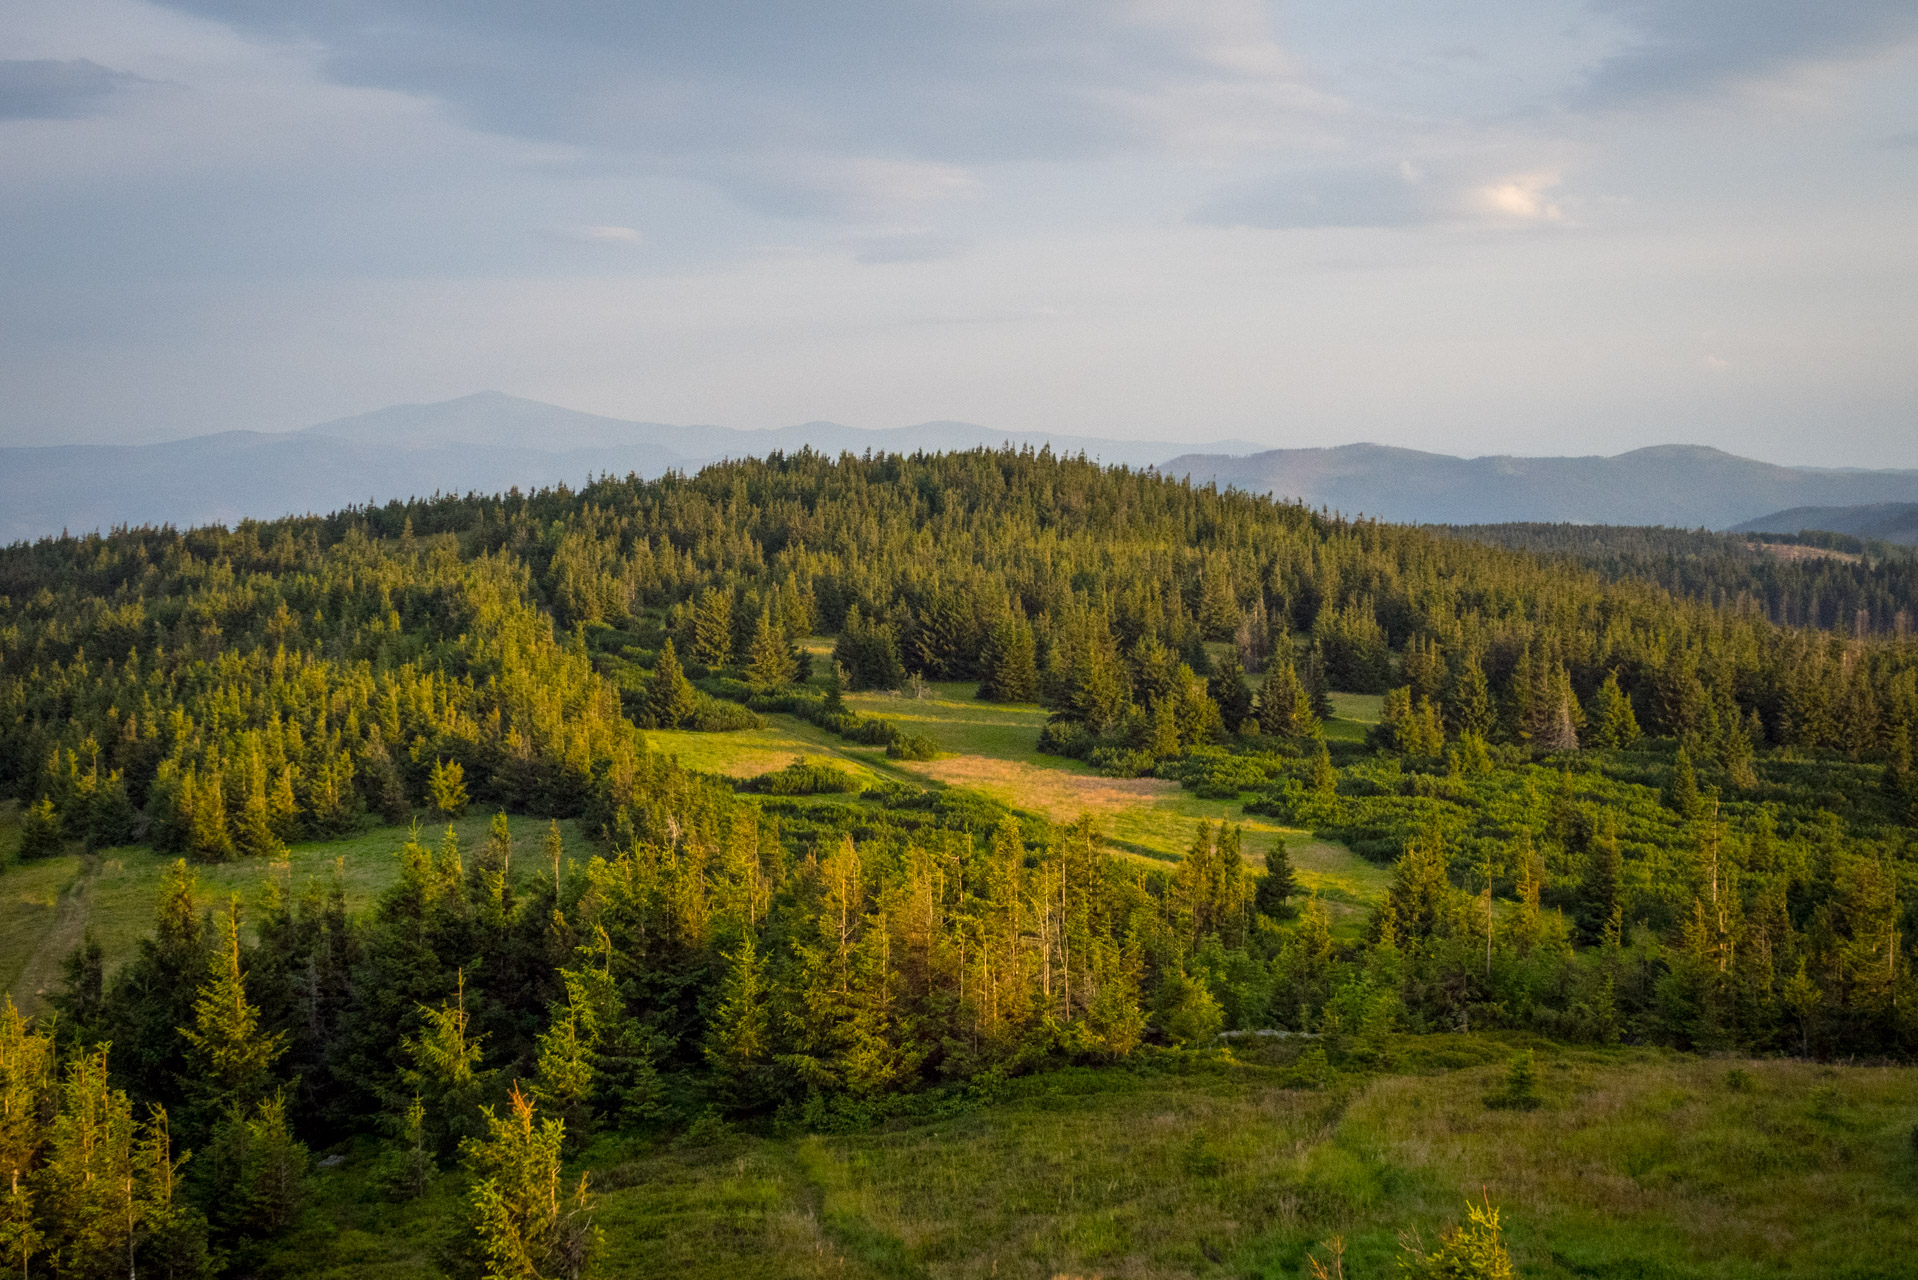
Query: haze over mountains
{"points": [[487, 442], [1687, 486], [492, 442]]}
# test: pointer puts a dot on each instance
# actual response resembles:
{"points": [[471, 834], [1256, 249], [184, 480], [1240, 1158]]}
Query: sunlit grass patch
{"points": [[47, 906]]}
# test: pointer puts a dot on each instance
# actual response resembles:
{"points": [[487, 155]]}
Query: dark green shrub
{"points": [[911, 746]]}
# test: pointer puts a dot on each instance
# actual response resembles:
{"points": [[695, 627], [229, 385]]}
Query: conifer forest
{"points": [[1618, 843]]}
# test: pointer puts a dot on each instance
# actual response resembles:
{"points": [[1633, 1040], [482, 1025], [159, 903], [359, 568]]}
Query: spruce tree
{"points": [[738, 1043], [40, 834], [1681, 785], [1599, 893], [231, 1059], [445, 1071], [1273, 895], [447, 788], [1614, 724], [670, 701], [1280, 699], [771, 665], [712, 638], [111, 819], [1316, 681], [1229, 691], [1468, 707], [526, 1223], [1008, 664]]}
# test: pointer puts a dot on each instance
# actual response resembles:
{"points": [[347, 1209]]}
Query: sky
{"points": [[1548, 227]]}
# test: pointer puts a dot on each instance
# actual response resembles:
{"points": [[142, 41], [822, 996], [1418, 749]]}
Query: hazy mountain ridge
{"points": [[491, 442], [488, 442], [1884, 521], [1685, 486]]}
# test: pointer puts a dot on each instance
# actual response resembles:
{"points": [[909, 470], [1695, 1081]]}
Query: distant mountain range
{"points": [[1687, 486], [492, 442], [1885, 521], [487, 442]]}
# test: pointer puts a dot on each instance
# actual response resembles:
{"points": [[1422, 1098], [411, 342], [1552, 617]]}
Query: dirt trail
{"points": [[40, 976]]}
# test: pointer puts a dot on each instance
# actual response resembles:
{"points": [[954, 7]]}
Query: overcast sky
{"points": [[1503, 226]]}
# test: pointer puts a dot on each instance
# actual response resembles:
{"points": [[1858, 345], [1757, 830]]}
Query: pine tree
{"points": [[254, 836], [1008, 664], [712, 638], [1681, 785], [1615, 724], [1421, 894], [563, 1080], [260, 1168], [1317, 683], [771, 665], [445, 1072], [1325, 778], [26, 1093], [670, 701], [1280, 699], [1218, 605], [111, 819], [528, 1227], [231, 1059], [1599, 893], [1229, 691], [1272, 897], [283, 809], [739, 1037], [447, 788], [40, 834], [1468, 706], [88, 1199]]}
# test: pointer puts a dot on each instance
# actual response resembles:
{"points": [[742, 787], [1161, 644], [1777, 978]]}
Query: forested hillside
{"points": [[1829, 580], [1613, 813]]}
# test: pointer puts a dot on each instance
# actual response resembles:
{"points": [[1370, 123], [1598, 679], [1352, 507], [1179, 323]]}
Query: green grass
{"points": [[992, 748], [1640, 1164], [47, 905]]}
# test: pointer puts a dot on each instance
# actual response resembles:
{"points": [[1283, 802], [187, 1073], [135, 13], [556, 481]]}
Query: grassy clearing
{"points": [[1641, 1164], [991, 748], [47, 905]]}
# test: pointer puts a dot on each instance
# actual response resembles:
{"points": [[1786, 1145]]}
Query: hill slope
{"points": [[1683, 485], [1885, 521]]}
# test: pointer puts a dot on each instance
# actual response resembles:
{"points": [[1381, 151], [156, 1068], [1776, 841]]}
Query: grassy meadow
{"points": [[991, 748], [47, 905], [1640, 1164]]}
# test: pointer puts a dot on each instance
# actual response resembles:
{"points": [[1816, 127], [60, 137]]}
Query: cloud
{"points": [[1681, 47], [603, 235], [1389, 195], [1520, 198], [733, 91], [48, 89]]}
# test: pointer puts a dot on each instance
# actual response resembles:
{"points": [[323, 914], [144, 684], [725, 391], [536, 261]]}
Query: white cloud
{"points": [[1521, 198], [605, 235]]}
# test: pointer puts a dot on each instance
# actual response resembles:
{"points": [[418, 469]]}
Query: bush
{"points": [[876, 733], [911, 746], [1123, 762], [1519, 1091], [715, 715], [40, 830], [1066, 738], [804, 778]]}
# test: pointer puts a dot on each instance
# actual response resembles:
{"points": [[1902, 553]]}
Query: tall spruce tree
{"points": [[670, 701]]}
